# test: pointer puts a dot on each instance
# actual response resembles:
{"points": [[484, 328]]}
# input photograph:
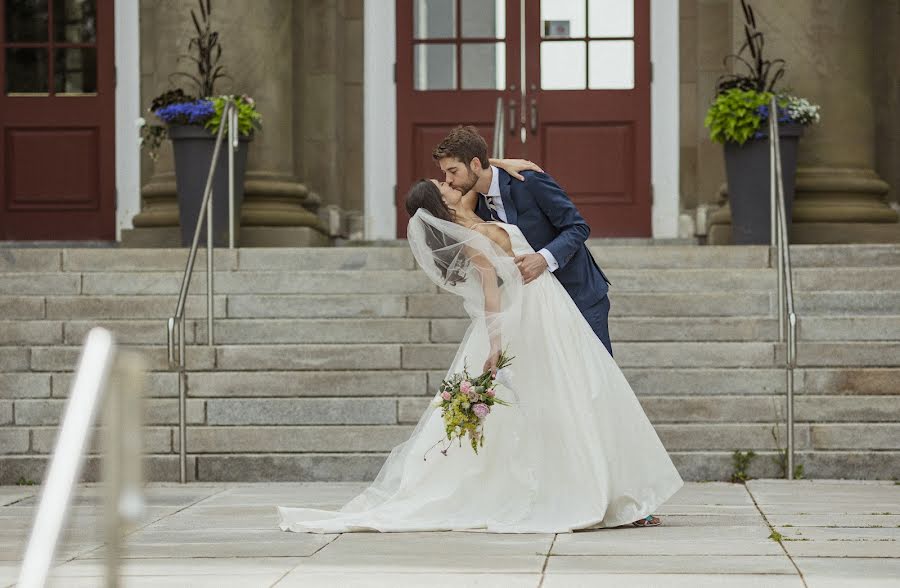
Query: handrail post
{"points": [[234, 141], [210, 338], [781, 240], [182, 405]]}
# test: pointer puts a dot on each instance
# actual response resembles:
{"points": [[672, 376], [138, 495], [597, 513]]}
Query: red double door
{"points": [[57, 120], [574, 80]]}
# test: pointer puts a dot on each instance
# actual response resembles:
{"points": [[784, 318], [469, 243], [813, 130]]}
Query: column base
{"points": [[831, 205], [278, 211]]}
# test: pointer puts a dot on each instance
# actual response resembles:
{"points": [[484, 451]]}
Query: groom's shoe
{"points": [[648, 521]]}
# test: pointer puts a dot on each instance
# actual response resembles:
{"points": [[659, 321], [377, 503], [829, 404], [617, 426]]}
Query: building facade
{"points": [[608, 95]]}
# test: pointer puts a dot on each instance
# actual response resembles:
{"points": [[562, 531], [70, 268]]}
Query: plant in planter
{"points": [[192, 123], [738, 118]]}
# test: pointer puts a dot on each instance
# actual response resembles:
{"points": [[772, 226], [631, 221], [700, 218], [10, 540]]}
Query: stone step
{"points": [[329, 258], [699, 382], [841, 256], [391, 410], [410, 281], [369, 436], [847, 303], [700, 465], [439, 330], [399, 257]]}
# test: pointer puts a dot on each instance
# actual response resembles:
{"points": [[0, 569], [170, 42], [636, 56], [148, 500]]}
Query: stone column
{"points": [[257, 52], [828, 48]]}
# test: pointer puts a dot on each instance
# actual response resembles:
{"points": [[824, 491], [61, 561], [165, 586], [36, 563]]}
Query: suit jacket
{"points": [[548, 219]]}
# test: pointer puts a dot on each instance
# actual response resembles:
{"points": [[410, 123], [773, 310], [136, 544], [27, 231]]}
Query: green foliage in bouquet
{"points": [[465, 402]]}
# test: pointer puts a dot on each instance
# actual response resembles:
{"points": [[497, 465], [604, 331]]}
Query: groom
{"points": [[542, 211]]}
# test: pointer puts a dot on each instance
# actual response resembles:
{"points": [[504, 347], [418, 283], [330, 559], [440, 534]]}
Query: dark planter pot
{"points": [[747, 170], [193, 147]]}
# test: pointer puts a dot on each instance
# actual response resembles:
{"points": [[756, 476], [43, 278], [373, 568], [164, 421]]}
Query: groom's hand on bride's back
{"points": [[514, 167]]}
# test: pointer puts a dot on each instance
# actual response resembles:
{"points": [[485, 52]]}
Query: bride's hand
{"points": [[491, 364], [514, 166]]}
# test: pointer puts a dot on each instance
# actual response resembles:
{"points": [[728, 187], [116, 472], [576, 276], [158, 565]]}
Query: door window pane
{"points": [[563, 65], [26, 71], [434, 67], [434, 19], [611, 18], [483, 66], [483, 18], [26, 21], [75, 71], [611, 65], [563, 18], [74, 21]]}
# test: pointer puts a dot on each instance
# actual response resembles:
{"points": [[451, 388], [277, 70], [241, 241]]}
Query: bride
{"points": [[572, 450]]}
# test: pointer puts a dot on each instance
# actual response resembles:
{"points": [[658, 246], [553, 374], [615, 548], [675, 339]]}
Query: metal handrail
{"points": [[787, 317], [99, 363], [175, 326], [499, 146]]}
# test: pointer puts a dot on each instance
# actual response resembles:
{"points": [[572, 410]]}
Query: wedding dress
{"points": [[574, 450]]}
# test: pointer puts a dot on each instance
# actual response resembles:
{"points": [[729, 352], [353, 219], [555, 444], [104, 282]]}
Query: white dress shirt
{"points": [[497, 200]]}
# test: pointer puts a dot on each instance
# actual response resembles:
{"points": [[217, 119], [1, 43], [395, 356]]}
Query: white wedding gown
{"points": [[574, 451]]}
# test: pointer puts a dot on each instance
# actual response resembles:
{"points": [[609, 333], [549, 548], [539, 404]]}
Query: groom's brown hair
{"points": [[464, 144]]}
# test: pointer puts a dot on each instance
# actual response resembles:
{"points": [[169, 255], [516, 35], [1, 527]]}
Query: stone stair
{"points": [[325, 358]]}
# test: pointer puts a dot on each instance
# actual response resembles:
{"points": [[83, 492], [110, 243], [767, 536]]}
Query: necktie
{"points": [[492, 207]]}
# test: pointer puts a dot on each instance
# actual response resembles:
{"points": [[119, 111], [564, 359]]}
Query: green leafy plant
{"points": [[734, 115], [741, 461], [249, 119], [780, 458], [23, 481]]}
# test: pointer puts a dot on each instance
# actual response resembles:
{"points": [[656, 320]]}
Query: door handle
{"points": [[534, 116], [512, 117]]}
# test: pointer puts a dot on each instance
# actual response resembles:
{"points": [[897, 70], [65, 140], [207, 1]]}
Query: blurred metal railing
{"points": [[787, 317], [499, 145], [176, 324], [104, 376]]}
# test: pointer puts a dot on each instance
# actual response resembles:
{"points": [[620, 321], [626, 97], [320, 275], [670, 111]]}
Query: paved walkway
{"points": [[833, 533]]}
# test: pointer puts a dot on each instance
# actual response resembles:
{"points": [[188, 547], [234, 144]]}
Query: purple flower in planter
{"points": [[197, 112]]}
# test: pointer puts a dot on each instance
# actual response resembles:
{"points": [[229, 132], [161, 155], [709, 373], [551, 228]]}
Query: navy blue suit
{"points": [[548, 219]]}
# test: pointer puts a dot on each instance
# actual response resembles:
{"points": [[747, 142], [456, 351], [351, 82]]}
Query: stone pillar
{"points": [[257, 52], [828, 48]]}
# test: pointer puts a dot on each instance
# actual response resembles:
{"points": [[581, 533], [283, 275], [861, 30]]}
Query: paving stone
{"points": [[346, 438], [316, 306], [13, 359], [153, 440], [118, 260], [671, 564], [22, 307], [41, 284], [306, 383], [19, 332], [316, 258], [311, 357], [302, 411], [243, 331], [29, 260], [289, 468], [13, 440], [855, 436], [139, 307]]}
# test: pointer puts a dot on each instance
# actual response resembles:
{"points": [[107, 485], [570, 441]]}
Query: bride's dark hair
{"points": [[424, 194]]}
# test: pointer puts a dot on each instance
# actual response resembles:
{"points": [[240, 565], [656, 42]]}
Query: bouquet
{"points": [[465, 403]]}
